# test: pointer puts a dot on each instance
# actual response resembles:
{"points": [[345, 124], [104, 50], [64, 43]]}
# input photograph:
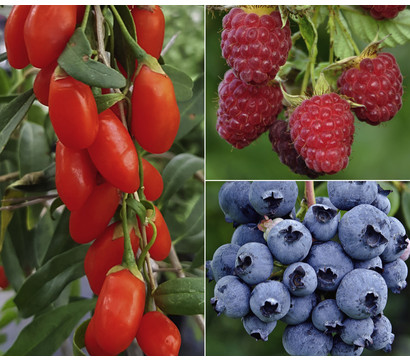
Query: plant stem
{"points": [[305, 81], [9, 176], [141, 194], [144, 251], [85, 18], [310, 193], [23, 204], [331, 27], [128, 258]]}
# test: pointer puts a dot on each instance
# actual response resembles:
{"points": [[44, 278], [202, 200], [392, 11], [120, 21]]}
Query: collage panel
{"points": [[307, 268], [102, 180], [344, 75]]}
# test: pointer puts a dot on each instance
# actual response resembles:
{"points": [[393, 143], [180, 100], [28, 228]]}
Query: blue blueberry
{"points": [[247, 233], [397, 241], [374, 264], [300, 309], [340, 348], [361, 294], [234, 202], [305, 340], [231, 297], [357, 332], [270, 300], [256, 328], [289, 241], [364, 232], [382, 335], [324, 200], [331, 264], [327, 317], [223, 261], [382, 202], [395, 274], [322, 221], [254, 263], [300, 279], [345, 195], [273, 198]]}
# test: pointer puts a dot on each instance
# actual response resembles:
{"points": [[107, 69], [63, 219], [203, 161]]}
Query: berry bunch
{"points": [[327, 277]]}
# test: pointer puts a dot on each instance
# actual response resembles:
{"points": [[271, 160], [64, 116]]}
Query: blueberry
{"points": [[325, 201], [247, 233], [340, 348], [234, 202], [300, 279], [254, 263], [223, 261], [209, 273], [382, 202], [322, 221], [357, 332], [382, 335], [374, 264], [345, 195], [273, 198], [270, 300], [362, 293], [331, 264], [289, 241], [305, 340], [256, 328], [395, 274], [364, 232], [327, 317], [397, 241], [231, 297], [300, 309]]}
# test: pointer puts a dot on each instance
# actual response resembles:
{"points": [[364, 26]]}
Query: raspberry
{"points": [[246, 111], [255, 46], [380, 12], [322, 131], [279, 136], [377, 84]]}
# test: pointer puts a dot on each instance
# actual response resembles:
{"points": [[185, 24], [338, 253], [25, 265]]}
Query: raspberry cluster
{"points": [[380, 12], [327, 277]]}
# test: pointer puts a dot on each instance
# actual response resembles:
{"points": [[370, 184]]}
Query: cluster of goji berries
{"points": [[97, 161], [318, 135]]}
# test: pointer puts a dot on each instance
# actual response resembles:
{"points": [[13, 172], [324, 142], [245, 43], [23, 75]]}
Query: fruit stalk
{"points": [[128, 259]]}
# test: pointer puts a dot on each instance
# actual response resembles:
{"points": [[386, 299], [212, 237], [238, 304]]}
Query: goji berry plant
{"points": [[101, 180], [339, 68]]}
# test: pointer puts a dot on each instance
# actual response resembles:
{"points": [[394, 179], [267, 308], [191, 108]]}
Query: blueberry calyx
{"points": [[291, 235], [257, 335], [243, 263], [323, 215], [296, 278], [273, 198], [219, 309], [327, 276], [371, 302], [401, 243], [333, 327], [374, 238], [270, 307]]}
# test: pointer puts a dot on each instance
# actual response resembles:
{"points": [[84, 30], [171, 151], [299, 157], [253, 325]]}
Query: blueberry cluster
{"points": [[327, 277]]}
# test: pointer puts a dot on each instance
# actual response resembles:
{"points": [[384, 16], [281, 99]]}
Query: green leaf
{"points": [[11, 263], [192, 112], [138, 207], [308, 32], [78, 339], [76, 61], [12, 114], [105, 101], [7, 316], [342, 46], [177, 172], [46, 284], [38, 181], [182, 83], [43, 234], [181, 296], [3, 57], [7, 98], [366, 28], [7, 215], [405, 203], [45, 334]]}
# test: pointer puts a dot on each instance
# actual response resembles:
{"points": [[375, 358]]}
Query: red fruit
{"points": [[153, 184], [90, 221], [114, 154], [80, 13], [155, 113], [380, 12], [14, 36], [322, 130], [158, 335], [255, 46], [246, 111], [105, 252], [73, 111], [42, 81], [119, 310], [279, 136], [377, 84], [47, 31], [4, 282], [91, 343], [75, 176]]}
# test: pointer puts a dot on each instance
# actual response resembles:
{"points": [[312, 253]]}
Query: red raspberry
{"points": [[279, 136], [377, 84], [255, 46], [380, 12], [246, 111], [322, 132]]}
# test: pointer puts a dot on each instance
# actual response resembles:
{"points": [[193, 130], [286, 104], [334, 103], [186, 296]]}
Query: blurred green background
{"points": [[380, 152], [225, 336]]}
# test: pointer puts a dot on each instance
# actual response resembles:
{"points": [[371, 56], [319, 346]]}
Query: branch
{"points": [[27, 203], [10, 176]]}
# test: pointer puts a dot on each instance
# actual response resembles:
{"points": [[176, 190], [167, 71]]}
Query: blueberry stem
{"points": [[310, 193]]}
